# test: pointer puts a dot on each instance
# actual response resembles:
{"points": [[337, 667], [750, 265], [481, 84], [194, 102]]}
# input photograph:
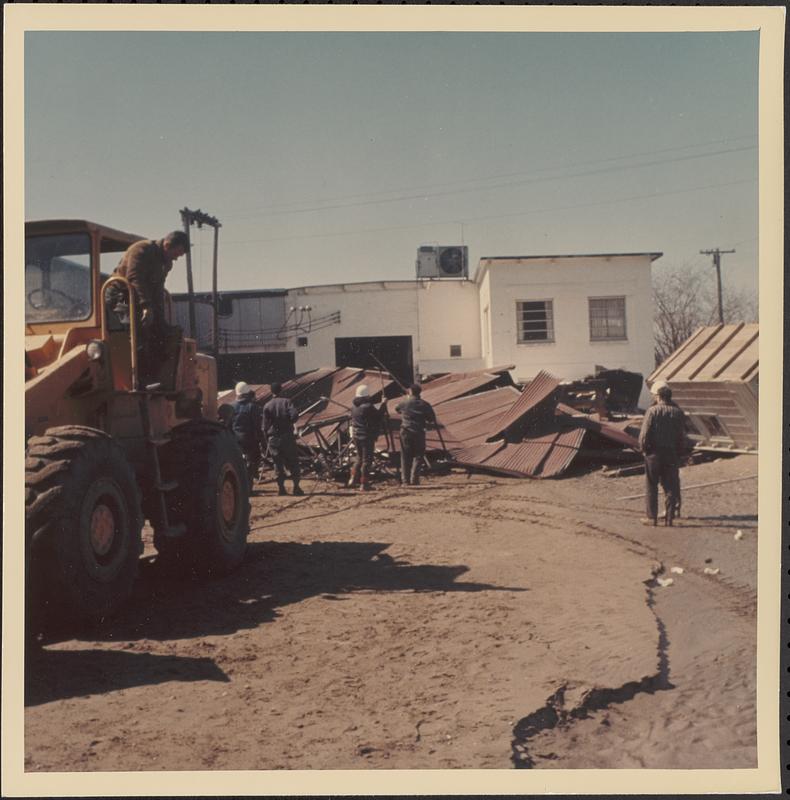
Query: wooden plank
{"points": [[659, 371]]}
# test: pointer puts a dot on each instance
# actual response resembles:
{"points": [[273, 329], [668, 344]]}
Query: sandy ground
{"points": [[471, 622]]}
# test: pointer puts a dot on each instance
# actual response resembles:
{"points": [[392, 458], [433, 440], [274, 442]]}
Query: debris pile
{"points": [[486, 423]]}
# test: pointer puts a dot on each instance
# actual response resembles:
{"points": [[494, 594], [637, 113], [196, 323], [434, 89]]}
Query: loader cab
{"points": [[66, 262]]}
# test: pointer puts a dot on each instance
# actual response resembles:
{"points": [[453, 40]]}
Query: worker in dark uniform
{"points": [[225, 415], [364, 431], [279, 416], [146, 265], [415, 413], [246, 424], [662, 439]]}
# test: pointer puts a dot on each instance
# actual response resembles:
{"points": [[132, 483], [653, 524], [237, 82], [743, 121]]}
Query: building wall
{"points": [[569, 282], [448, 315], [366, 309]]}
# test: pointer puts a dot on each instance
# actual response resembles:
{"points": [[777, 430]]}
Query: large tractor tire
{"points": [[82, 526], [211, 499]]}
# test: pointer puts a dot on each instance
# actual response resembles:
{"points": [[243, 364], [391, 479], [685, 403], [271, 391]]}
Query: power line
{"points": [[467, 220], [287, 208]]}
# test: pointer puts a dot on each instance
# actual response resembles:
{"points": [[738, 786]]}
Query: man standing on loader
{"points": [[279, 416], [146, 265], [247, 425]]}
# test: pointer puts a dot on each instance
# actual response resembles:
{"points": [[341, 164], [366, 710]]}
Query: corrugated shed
{"points": [[538, 391], [714, 377], [714, 353]]}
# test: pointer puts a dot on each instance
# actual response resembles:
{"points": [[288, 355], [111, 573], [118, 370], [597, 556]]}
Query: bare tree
{"points": [[685, 299]]}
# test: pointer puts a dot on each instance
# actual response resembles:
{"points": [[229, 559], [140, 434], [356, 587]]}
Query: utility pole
{"points": [[199, 218], [716, 253]]}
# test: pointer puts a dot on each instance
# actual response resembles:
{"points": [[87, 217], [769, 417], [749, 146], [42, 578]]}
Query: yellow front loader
{"points": [[104, 454]]}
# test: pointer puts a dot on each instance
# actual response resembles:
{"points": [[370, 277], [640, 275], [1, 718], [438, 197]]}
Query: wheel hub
{"points": [[102, 529], [228, 500]]}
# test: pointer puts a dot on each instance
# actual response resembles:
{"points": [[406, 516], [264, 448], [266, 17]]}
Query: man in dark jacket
{"points": [[279, 416], [663, 441], [246, 424], [146, 264], [365, 429], [415, 415]]}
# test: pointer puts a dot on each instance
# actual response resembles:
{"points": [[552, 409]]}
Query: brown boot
{"points": [[353, 478]]}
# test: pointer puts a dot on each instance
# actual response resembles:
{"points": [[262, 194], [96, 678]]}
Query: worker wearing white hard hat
{"points": [[364, 430], [247, 425]]}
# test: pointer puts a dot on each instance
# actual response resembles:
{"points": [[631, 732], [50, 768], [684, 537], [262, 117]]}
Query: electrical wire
{"points": [[469, 220], [274, 207], [505, 184]]}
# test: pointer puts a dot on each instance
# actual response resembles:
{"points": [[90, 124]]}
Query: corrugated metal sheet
{"points": [[545, 456], [539, 390], [469, 420], [591, 422], [714, 353]]}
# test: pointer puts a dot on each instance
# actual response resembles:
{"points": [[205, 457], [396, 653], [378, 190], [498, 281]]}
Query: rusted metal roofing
{"points": [[715, 353], [538, 391], [592, 423], [545, 456], [469, 419]]}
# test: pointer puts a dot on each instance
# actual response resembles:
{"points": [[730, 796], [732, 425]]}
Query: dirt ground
{"points": [[470, 622]]}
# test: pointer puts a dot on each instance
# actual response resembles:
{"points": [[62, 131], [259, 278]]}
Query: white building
{"points": [[564, 314]]}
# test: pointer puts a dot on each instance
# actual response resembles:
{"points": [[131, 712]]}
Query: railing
{"points": [[132, 319]]}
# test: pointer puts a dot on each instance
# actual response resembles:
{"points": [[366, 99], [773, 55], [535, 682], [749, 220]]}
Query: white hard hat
{"points": [[242, 389], [362, 390], [658, 385]]}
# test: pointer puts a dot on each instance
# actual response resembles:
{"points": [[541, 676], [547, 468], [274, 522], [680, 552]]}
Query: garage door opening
{"points": [[394, 352]]}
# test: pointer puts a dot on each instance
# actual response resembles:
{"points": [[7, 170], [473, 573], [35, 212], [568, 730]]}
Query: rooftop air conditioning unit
{"points": [[435, 261]]}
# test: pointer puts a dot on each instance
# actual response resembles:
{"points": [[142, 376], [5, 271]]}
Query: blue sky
{"points": [[332, 156]]}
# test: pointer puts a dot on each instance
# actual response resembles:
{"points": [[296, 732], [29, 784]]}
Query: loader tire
{"points": [[211, 500], [83, 526]]}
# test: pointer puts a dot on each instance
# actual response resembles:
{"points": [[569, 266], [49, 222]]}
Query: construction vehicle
{"points": [[105, 453]]}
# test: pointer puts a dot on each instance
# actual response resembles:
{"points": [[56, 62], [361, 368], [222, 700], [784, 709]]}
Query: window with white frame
{"points": [[535, 321], [607, 319]]}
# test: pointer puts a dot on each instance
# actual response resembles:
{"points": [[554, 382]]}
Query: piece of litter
{"points": [[677, 570], [738, 536], [665, 581], [711, 571]]}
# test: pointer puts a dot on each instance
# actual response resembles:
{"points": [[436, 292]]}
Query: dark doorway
{"points": [[394, 352], [254, 368]]}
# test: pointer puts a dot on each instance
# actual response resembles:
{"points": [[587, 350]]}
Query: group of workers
{"points": [[271, 427], [146, 264]]}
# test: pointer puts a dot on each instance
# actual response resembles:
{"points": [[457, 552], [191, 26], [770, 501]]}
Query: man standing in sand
{"points": [[662, 440], [415, 413], [279, 416]]}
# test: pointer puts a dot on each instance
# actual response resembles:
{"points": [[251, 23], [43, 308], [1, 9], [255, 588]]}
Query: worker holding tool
{"points": [[279, 416], [662, 441], [146, 264], [415, 413], [246, 424], [365, 421]]}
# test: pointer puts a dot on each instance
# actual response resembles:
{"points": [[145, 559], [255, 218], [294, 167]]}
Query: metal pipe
{"points": [[132, 320], [214, 294], [694, 486], [186, 217]]}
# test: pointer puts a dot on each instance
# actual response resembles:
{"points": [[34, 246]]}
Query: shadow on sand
{"points": [[60, 674], [273, 575]]}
